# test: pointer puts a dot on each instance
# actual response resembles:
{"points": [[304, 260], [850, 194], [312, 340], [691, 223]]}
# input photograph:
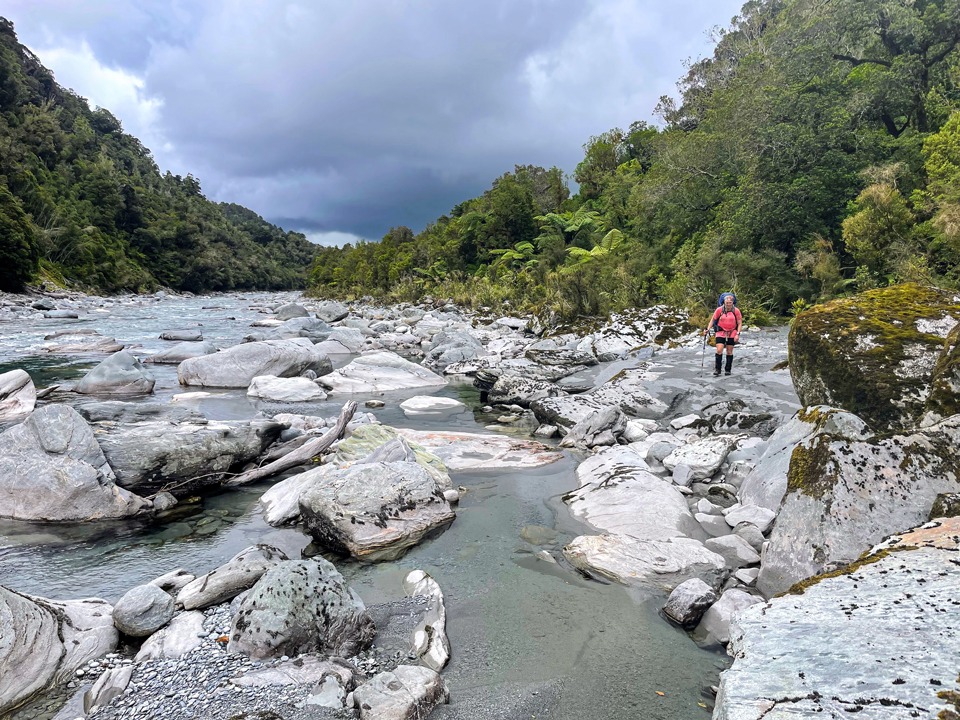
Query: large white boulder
{"points": [[297, 389], [237, 366], [380, 372], [18, 395], [52, 470]]}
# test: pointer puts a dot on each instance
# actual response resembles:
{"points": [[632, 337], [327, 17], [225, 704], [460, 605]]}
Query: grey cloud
{"points": [[355, 117]]}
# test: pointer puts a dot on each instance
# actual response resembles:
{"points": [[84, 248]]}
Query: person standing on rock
{"points": [[727, 322]]}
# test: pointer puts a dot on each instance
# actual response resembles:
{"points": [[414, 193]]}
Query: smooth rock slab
{"points": [[651, 564], [43, 641], [478, 451], [407, 693], [380, 372], [180, 352], [878, 642]]}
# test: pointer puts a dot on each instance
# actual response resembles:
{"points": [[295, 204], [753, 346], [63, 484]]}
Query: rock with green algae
{"points": [[843, 496], [877, 640], [874, 354]]}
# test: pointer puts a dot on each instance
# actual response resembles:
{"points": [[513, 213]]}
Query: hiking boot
{"points": [[726, 373], [716, 373]]}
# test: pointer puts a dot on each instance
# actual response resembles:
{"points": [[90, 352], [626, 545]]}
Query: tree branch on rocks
{"points": [[301, 455]]}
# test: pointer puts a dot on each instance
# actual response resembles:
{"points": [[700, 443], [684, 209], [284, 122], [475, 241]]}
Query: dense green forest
{"points": [[83, 203], [816, 153]]}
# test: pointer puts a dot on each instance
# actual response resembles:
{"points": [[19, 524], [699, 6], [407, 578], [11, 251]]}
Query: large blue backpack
{"points": [[720, 301], [723, 296]]}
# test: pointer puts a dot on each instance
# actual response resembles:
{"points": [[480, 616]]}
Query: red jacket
{"points": [[727, 322]]}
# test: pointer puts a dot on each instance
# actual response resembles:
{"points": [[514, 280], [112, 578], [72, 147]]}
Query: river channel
{"points": [[527, 633]]}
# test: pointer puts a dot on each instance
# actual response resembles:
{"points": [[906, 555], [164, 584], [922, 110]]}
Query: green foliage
{"points": [[88, 201]]}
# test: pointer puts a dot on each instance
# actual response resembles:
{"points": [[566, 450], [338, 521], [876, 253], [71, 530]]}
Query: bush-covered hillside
{"points": [[83, 202], [815, 153]]}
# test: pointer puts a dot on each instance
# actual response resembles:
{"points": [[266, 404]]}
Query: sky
{"points": [[344, 119]]}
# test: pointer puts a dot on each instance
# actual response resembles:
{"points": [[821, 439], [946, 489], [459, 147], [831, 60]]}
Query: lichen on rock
{"points": [[875, 354]]}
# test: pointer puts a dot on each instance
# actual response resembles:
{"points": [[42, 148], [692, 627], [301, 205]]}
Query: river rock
{"points": [[522, 391], [191, 335], [598, 429], [375, 511], [479, 451], [80, 341], [766, 484], [53, 470], [44, 641], [108, 686], [305, 327], [431, 406], [657, 564], [298, 389], [181, 636], [238, 365], [688, 601], [331, 311], [380, 372], [628, 391], [451, 347], [430, 643], [290, 311], [365, 440], [873, 354], [845, 496], [120, 374], [298, 607], [142, 611], [241, 572], [352, 339], [180, 352], [566, 410], [408, 692], [714, 626], [735, 550], [173, 581], [187, 455], [878, 640], [61, 314], [618, 494], [18, 395], [542, 353], [703, 456]]}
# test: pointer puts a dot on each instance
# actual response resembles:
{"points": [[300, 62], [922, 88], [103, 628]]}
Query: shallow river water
{"points": [[529, 636]]}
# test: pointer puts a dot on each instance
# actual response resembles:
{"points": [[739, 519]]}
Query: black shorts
{"points": [[725, 341]]}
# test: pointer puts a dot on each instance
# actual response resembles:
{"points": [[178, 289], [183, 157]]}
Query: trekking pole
{"points": [[703, 353]]}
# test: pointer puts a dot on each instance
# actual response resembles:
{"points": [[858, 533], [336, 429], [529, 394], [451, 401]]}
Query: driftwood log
{"points": [[301, 455]]}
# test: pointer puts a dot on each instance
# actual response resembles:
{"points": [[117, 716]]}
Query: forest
{"points": [[83, 204], [816, 153]]}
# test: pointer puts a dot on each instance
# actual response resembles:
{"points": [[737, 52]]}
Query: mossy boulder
{"points": [[875, 354], [844, 496], [944, 399]]}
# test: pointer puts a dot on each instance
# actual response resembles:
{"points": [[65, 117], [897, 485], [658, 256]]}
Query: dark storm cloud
{"points": [[355, 117]]}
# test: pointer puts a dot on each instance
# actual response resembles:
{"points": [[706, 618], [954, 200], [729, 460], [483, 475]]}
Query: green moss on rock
{"points": [[873, 354], [866, 559], [812, 469], [944, 397]]}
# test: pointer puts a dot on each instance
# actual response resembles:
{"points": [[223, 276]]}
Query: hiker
{"points": [[727, 323]]}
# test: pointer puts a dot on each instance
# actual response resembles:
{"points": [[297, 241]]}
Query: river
{"points": [[525, 633]]}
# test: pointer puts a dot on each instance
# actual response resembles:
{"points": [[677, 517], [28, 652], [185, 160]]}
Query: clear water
{"points": [[514, 618]]}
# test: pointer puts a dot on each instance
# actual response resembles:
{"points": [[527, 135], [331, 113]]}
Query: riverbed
{"points": [[529, 635]]}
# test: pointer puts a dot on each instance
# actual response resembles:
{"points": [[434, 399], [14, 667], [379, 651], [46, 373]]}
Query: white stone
{"points": [[296, 389], [431, 406], [703, 456], [735, 550], [715, 625], [761, 517], [380, 372]]}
